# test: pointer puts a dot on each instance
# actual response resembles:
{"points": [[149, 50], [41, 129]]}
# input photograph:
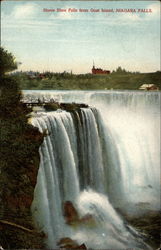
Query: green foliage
{"points": [[119, 79], [19, 160], [17, 140], [7, 61]]}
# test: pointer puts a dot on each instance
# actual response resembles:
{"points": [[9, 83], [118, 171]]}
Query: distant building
{"points": [[31, 75], [36, 75], [97, 71], [148, 87], [41, 76]]}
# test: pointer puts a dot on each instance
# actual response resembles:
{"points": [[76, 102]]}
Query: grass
{"points": [[60, 81]]}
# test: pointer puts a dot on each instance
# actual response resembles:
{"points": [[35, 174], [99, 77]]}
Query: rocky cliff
{"points": [[19, 163]]}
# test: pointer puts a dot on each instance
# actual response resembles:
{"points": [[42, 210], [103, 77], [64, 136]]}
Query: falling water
{"points": [[98, 158]]}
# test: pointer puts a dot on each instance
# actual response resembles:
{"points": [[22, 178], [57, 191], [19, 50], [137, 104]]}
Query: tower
{"points": [[93, 65], [93, 69]]}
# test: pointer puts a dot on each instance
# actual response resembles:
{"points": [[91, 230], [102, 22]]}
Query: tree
{"points": [[19, 157], [7, 61]]}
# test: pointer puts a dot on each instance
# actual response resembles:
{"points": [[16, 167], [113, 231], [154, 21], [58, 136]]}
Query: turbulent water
{"points": [[100, 158]]}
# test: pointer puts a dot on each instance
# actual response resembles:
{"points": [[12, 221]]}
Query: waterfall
{"points": [[99, 158], [58, 176]]}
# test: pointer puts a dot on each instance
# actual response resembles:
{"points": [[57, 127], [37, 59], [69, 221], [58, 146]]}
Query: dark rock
{"points": [[72, 217], [83, 246], [87, 219], [51, 106], [69, 243], [70, 213], [148, 225], [73, 106], [70, 107]]}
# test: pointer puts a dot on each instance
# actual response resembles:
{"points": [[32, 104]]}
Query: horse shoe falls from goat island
{"points": [[98, 160]]}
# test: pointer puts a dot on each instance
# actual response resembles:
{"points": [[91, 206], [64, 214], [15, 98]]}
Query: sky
{"points": [[71, 41]]}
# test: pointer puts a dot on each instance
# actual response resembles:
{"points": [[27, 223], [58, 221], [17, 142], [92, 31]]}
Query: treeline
{"points": [[118, 79]]}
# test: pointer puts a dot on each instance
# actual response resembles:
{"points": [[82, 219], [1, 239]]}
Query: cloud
{"points": [[64, 15], [25, 16], [29, 24], [122, 19], [44, 39], [24, 11], [155, 14], [155, 7], [132, 17]]}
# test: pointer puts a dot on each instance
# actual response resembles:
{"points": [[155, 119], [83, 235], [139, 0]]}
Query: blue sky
{"points": [[71, 41]]}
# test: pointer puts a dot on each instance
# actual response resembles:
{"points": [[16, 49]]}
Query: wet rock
{"points": [[51, 106], [70, 213], [72, 217], [148, 225], [71, 244], [87, 220], [70, 107]]}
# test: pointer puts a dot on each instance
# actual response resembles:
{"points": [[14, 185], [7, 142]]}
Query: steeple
{"points": [[93, 65]]}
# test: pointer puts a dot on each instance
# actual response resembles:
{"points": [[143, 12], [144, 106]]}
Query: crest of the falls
{"points": [[81, 162]]}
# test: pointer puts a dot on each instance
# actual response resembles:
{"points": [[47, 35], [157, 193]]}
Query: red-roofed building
{"points": [[97, 71]]}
